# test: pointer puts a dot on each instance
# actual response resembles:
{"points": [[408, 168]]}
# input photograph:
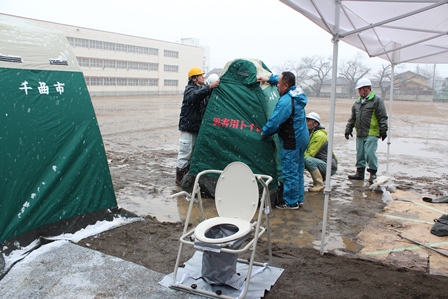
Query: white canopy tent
{"points": [[399, 31]]}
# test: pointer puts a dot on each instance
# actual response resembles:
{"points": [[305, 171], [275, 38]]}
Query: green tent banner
{"points": [[231, 127], [53, 165]]}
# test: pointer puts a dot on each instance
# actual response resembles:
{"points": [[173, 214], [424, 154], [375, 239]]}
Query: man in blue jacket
{"points": [[289, 121]]}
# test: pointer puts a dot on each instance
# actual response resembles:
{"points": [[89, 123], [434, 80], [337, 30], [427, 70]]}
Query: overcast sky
{"points": [[263, 29]]}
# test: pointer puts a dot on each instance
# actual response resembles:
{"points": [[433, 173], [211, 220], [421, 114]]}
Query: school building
{"points": [[117, 64]]}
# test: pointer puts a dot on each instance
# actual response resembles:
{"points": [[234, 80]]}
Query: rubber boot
{"points": [[317, 181], [359, 175], [372, 175], [180, 175]]}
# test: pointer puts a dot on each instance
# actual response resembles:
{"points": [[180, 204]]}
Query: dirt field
{"points": [[141, 140]]}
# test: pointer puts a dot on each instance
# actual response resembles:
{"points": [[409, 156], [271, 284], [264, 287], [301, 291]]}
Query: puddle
{"points": [[430, 149], [143, 204], [407, 156], [335, 243]]}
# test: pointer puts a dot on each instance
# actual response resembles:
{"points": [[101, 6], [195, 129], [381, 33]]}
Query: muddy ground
{"points": [[141, 139]]}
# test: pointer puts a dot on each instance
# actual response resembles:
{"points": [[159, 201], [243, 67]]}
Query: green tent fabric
{"points": [[231, 127], [53, 161]]}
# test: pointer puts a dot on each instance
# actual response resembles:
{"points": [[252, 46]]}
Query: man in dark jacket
{"points": [[369, 117], [195, 100]]}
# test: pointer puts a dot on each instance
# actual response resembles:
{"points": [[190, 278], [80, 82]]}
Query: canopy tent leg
{"points": [[391, 97], [334, 76]]}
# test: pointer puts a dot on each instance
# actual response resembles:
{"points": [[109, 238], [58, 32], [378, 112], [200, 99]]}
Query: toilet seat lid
{"points": [[244, 227], [236, 193]]}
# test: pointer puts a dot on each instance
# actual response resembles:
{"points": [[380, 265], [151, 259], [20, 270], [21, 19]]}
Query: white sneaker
{"points": [[285, 207]]}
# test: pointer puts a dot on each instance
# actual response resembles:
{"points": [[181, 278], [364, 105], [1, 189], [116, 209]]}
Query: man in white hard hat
{"points": [[369, 118], [316, 153], [195, 100]]}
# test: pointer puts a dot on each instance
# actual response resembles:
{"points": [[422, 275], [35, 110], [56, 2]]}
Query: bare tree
{"points": [[383, 76], [430, 72], [311, 72], [277, 69], [315, 70], [292, 66], [445, 84], [425, 71], [353, 70]]}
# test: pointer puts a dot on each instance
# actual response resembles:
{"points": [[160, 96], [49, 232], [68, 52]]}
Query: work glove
{"points": [[383, 136], [347, 135]]}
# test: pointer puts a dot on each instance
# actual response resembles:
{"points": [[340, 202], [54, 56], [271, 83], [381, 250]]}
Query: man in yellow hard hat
{"points": [[195, 100]]}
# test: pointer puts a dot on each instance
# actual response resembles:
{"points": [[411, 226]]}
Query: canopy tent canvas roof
{"points": [[53, 162], [399, 31]]}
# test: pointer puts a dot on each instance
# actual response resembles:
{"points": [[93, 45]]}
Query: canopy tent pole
{"points": [[391, 98], [334, 76]]}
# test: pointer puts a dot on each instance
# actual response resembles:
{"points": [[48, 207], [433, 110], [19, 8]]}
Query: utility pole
{"points": [[434, 80]]}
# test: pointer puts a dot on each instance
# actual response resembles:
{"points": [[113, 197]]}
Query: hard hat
{"points": [[314, 116], [363, 82], [194, 71], [212, 78]]}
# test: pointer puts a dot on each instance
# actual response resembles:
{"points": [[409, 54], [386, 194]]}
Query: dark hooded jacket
{"points": [[368, 117], [193, 107]]}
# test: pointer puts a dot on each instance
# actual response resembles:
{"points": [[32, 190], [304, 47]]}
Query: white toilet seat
{"points": [[236, 202], [244, 227]]}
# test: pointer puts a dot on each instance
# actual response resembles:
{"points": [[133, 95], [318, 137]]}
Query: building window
{"points": [[109, 46], [173, 54], [143, 66], [84, 43], [133, 49], [147, 51], [109, 64], [132, 82], [96, 81], [143, 50], [153, 51], [84, 62], [132, 65], [96, 44], [122, 81], [122, 64], [110, 81], [153, 82], [171, 68], [71, 41], [96, 62], [143, 82], [121, 47], [167, 82], [81, 42]]}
